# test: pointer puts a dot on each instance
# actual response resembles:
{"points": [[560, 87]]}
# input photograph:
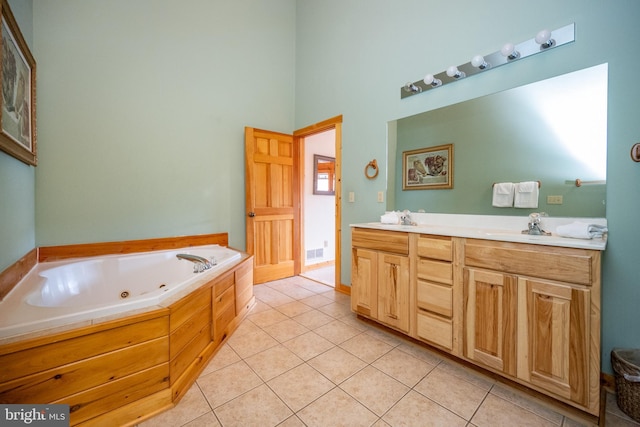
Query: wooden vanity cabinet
{"points": [[380, 276], [537, 307], [434, 290]]}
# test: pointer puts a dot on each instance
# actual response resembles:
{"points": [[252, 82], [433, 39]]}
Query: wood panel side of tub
{"points": [[127, 370], [57, 253]]}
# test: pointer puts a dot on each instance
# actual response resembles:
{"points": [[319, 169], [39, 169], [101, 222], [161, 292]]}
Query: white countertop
{"points": [[493, 227]]}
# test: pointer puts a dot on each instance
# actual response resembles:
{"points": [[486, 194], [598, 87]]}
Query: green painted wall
{"points": [[142, 107], [374, 46], [17, 180]]}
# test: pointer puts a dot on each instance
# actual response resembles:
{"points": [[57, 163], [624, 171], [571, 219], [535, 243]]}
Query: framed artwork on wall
{"points": [[429, 168], [18, 100]]}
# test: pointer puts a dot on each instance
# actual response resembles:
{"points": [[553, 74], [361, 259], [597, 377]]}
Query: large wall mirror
{"points": [[324, 175], [553, 131]]}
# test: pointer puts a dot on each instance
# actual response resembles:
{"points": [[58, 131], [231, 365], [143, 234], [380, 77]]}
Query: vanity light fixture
{"points": [[453, 71], [430, 80], [544, 41], [509, 51], [412, 88], [543, 38], [479, 62]]}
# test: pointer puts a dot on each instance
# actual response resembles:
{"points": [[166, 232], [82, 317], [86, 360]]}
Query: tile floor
{"points": [[301, 358], [324, 275]]}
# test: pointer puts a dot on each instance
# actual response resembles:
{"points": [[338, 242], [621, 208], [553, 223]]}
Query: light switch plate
{"points": [[380, 196], [352, 196], [554, 200]]}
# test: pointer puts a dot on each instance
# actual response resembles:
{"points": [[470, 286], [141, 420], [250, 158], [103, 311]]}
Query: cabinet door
{"points": [[393, 290], [490, 300], [554, 337], [364, 282]]}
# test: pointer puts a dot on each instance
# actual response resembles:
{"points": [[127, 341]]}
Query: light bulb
{"points": [[479, 62], [429, 79], [453, 71], [411, 88], [509, 51], [543, 38]]}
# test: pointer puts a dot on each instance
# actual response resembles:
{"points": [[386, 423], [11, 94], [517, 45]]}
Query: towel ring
{"points": [[373, 164]]}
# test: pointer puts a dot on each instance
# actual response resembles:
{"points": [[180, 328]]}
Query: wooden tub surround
{"points": [[122, 371]]}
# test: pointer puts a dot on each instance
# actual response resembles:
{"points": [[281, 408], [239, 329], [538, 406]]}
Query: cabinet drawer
{"points": [[387, 241], [564, 264], [436, 247], [435, 298], [438, 271], [435, 329]]}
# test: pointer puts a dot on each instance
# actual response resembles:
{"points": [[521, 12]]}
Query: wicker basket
{"points": [[626, 366]]}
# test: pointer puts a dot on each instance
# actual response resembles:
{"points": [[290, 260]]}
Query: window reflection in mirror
{"points": [[324, 175]]}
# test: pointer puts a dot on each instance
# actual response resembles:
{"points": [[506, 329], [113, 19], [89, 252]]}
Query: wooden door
{"points": [[554, 337], [364, 282], [393, 290], [490, 300], [272, 203]]}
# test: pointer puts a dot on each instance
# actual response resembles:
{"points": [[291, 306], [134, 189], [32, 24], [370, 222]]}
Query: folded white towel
{"points": [[581, 230], [390, 218], [526, 195], [503, 194]]}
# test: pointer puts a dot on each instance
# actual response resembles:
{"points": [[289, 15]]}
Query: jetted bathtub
{"points": [[88, 290]]}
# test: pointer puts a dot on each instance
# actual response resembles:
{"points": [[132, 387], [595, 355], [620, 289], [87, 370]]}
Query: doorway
{"points": [[331, 130], [318, 204]]}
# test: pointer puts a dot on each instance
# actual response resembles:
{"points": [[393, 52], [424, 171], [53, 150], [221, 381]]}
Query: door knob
{"points": [[251, 214]]}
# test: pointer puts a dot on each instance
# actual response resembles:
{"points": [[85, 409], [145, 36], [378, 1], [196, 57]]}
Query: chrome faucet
{"points": [[535, 226], [405, 218], [200, 264]]}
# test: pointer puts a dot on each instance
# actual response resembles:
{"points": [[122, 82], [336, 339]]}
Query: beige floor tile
{"points": [[497, 412], [337, 364], [272, 362], [337, 409], [224, 357], [300, 386], [316, 301], [206, 420], [336, 331], [292, 421], [452, 392], [615, 416], [313, 319], [267, 317], [416, 410], [527, 402], [271, 296], [353, 321], [247, 327], [467, 374], [375, 389], [296, 292], [420, 352], [228, 383], [308, 345], [286, 330], [366, 347], [403, 367], [294, 309], [384, 336], [192, 406], [337, 297], [260, 306], [336, 310], [259, 407], [314, 286], [249, 344]]}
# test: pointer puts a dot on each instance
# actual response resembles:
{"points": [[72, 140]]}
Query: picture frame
{"points": [[429, 168], [18, 97]]}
